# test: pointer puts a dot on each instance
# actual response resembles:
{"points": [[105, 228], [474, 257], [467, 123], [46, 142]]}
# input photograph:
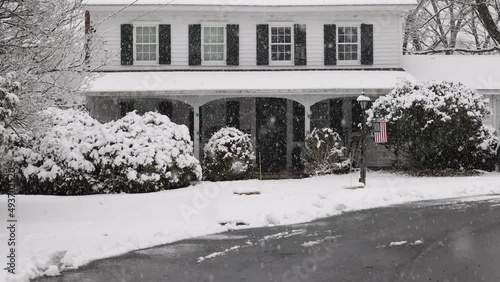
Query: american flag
{"points": [[380, 131]]}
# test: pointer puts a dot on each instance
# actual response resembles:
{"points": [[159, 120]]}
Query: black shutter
{"points": [[127, 44], [367, 44], [300, 45], [262, 45], [233, 114], [165, 108], [233, 45], [194, 44], [330, 43], [165, 45], [126, 107], [191, 124], [299, 121], [336, 115]]}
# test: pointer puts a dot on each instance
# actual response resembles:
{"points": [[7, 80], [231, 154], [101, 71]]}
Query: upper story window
{"points": [[281, 43], [214, 44], [146, 44], [348, 45]]}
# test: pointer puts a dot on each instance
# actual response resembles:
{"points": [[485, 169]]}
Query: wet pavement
{"points": [[449, 240]]}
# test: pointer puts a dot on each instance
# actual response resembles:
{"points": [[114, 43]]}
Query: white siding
{"points": [[387, 45]]}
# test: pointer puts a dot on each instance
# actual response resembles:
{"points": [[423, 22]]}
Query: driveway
{"points": [[450, 240]]}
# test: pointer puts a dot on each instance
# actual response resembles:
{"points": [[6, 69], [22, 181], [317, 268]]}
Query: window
{"points": [[348, 45], [281, 42], [146, 46], [214, 44]]}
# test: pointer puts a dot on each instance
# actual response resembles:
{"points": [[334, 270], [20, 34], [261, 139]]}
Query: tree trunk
{"points": [[487, 20]]}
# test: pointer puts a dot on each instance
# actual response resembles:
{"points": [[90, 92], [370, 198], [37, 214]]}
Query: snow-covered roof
{"points": [[478, 72], [246, 81], [266, 3]]}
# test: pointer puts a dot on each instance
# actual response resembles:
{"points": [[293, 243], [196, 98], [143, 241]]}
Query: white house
{"points": [[274, 69]]}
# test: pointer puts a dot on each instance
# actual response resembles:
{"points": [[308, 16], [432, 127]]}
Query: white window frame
{"points": [[147, 24], [291, 62], [348, 62], [223, 62]]}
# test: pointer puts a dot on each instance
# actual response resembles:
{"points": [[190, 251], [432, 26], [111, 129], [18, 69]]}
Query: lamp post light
{"points": [[363, 101]]}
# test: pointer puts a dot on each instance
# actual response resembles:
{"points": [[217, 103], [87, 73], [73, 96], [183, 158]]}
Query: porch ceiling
{"points": [[248, 82]]}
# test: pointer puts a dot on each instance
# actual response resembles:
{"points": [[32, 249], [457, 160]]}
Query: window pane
{"points": [[274, 30], [354, 38], [288, 56], [274, 48], [288, 31], [288, 39], [288, 48], [139, 56], [341, 56], [355, 56], [341, 39], [281, 48], [274, 56], [341, 30], [281, 56], [274, 39]]}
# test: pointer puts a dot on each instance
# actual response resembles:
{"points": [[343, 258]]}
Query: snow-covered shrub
{"points": [[78, 155], [228, 155], [145, 153], [324, 153], [439, 125]]}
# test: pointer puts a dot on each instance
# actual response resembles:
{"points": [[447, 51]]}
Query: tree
{"points": [[45, 43], [452, 26], [438, 125]]}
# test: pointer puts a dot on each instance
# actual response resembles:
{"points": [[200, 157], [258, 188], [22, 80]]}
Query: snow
{"points": [[254, 2], [243, 80], [68, 232], [400, 243], [477, 72]]}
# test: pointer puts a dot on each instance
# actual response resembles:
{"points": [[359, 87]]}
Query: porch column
{"points": [[197, 130], [307, 120]]}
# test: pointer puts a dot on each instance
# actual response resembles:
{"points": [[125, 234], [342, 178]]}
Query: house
{"points": [[272, 68]]}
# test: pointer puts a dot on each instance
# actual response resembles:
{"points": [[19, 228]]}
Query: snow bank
{"points": [[68, 232]]}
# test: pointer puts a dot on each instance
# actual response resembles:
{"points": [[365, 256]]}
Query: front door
{"points": [[271, 133]]}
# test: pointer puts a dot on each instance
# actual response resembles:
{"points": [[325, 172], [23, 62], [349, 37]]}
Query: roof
{"points": [[478, 72], [266, 3], [246, 81]]}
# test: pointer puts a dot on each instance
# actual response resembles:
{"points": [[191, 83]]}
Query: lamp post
{"points": [[363, 101]]}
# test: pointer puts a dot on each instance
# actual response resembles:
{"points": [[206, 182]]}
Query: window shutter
{"points": [[330, 42], [300, 45], [165, 46], [127, 44], [336, 115], [166, 108], [262, 45], [194, 44], [367, 44], [233, 45], [233, 114], [126, 107]]}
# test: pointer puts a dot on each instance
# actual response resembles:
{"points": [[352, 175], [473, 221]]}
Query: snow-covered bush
{"points": [[228, 155], [324, 153], [78, 155], [439, 125]]}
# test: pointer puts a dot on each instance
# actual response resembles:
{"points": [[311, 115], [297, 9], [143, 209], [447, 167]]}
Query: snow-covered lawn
{"points": [[56, 233]]}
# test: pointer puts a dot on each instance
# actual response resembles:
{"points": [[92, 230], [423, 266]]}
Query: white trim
{"points": [[147, 24], [223, 62], [348, 62], [291, 62]]}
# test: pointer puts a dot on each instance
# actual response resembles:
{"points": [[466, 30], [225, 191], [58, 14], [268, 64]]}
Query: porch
{"points": [[258, 103]]}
